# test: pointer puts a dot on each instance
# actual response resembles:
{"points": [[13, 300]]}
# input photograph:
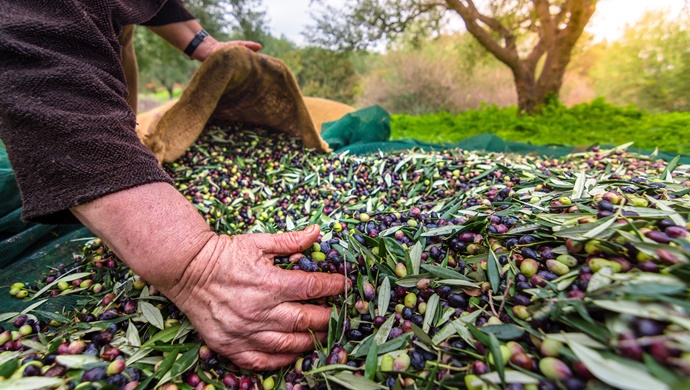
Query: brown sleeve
{"points": [[173, 11], [63, 115]]}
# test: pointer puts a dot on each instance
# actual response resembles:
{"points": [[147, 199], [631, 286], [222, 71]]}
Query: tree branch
{"points": [[558, 57], [508, 54], [547, 23]]}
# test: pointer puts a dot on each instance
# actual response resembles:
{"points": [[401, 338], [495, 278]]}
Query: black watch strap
{"points": [[198, 38]]}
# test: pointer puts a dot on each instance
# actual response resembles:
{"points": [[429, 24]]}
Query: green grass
{"points": [[161, 95], [583, 124]]}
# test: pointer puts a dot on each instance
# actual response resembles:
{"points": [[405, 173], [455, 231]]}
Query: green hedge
{"points": [[583, 124]]}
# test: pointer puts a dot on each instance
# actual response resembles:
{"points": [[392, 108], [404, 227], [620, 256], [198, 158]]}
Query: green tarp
{"points": [[27, 249]]}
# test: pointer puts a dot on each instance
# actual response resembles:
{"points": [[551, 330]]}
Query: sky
{"points": [[289, 17]]}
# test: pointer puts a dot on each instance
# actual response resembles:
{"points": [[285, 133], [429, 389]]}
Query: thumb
{"points": [[289, 243]]}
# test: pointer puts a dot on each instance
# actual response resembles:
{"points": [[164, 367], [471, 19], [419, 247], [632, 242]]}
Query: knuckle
{"points": [[293, 241], [250, 360], [302, 321], [259, 362], [284, 343], [315, 285]]}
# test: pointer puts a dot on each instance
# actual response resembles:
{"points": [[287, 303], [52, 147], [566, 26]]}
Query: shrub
{"points": [[583, 124]]}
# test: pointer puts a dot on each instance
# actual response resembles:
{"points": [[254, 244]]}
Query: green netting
{"points": [[27, 250]]}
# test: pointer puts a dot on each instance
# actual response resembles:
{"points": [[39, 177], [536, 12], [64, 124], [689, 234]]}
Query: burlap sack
{"points": [[237, 85]]}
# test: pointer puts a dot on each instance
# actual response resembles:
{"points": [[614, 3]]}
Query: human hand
{"points": [[245, 308], [210, 46]]}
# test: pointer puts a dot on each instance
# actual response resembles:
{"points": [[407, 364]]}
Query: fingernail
{"points": [[311, 229]]}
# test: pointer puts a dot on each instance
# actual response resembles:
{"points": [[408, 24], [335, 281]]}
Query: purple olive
{"points": [[658, 236], [94, 375]]}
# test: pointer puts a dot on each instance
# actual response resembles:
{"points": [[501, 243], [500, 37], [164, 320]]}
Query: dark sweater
{"points": [[68, 129]]}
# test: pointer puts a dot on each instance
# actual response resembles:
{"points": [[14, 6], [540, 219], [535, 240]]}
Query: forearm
{"points": [[181, 34], [152, 228]]}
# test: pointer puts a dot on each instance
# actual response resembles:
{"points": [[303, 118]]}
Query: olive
{"points": [[457, 300]]}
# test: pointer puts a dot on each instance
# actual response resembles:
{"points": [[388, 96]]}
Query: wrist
{"points": [[196, 273], [152, 228], [204, 49]]}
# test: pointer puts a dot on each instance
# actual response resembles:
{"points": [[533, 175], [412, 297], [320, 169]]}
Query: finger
{"points": [[261, 361], [253, 46], [297, 317], [287, 243], [302, 286], [279, 342]]}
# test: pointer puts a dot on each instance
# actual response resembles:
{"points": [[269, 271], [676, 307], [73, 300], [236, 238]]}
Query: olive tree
{"points": [[534, 38]]}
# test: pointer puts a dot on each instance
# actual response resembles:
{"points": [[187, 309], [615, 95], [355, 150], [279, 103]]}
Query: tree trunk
{"points": [[557, 33], [170, 89], [529, 99]]}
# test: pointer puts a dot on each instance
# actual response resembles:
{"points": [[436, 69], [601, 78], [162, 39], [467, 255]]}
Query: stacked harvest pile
{"points": [[470, 270]]}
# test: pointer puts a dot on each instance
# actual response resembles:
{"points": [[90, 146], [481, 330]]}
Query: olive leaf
{"points": [[421, 335], [495, 349], [598, 229], [384, 330], [184, 328], [614, 373], [443, 272], [430, 313], [183, 363], [33, 383], [579, 188], [33, 306], [66, 277], [457, 282], [645, 310], [503, 331], [165, 335], [510, 376], [384, 296], [9, 367], [416, 257], [133, 335], [35, 345], [666, 174], [411, 280], [579, 338], [600, 279], [75, 361], [152, 314], [8, 316], [493, 272], [457, 326], [371, 362], [349, 381], [140, 355], [675, 217]]}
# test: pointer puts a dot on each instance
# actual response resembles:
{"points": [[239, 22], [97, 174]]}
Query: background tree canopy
{"points": [[426, 69]]}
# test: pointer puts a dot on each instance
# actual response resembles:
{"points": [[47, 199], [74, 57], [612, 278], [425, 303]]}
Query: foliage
{"points": [[450, 74], [583, 124], [165, 66], [248, 20], [519, 33], [323, 73], [319, 72], [159, 62], [211, 15], [650, 65], [357, 25]]}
